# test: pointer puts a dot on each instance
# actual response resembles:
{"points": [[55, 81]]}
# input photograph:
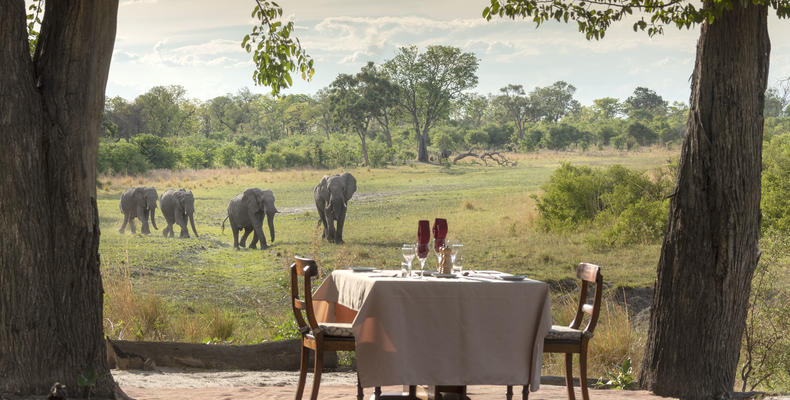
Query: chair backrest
{"points": [[589, 274], [307, 269]]}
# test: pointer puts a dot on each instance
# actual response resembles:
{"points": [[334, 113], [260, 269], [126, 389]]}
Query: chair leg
{"points": [[509, 394], [525, 392], [302, 373], [569, 375], [317, 369], [360, 393], [583, 373], [412, 392]]}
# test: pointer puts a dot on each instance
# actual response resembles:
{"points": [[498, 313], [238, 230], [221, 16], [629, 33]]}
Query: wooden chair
{"points": [[319, 337], [571, 339]]}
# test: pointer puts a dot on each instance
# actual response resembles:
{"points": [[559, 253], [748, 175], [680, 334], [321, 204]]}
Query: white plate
{"points": [[362, 269], [444, 275], [513, 277]]}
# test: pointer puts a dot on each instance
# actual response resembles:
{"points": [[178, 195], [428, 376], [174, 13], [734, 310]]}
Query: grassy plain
{"points": [[199, 288]]}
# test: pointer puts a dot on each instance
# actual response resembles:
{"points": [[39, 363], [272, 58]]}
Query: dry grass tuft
{"points": [[615, 338], [467, 205]]}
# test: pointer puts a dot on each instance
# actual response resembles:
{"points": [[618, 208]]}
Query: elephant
{"points": [[331, 199], [139, 202], [246, 211], [177, 207]]}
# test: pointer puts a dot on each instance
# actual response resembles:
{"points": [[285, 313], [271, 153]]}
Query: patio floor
{"points": [[274, 385]]}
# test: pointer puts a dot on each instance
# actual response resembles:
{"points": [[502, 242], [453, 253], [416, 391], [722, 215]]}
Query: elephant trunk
{"points": [[192, 222], [153, 218], [270, 221]]}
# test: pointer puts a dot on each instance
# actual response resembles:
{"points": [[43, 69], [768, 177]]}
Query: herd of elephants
{"points": [[245, 211]]}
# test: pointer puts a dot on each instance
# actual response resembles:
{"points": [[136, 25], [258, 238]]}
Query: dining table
{"points": [[476, 328]]}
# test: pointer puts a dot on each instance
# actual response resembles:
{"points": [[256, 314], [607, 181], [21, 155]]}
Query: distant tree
{"points": [[124, 115], [777, 100], [645, 104], [160, 110], [519, 107], [607, 108], [555, 101], [710, 249], [352, 102], [324, 113], [427, 83], [383, 95], [472, 109]]}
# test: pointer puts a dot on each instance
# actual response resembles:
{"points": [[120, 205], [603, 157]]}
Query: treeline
{"points": [[416, 106]]}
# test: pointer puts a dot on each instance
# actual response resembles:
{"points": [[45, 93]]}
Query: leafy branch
{"points": [[276, 52], [35, 11]]}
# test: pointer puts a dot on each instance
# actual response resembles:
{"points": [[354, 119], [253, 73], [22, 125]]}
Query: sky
{"points": [[197, 44]]}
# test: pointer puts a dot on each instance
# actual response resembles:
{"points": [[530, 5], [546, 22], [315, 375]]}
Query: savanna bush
{"points": [[193, 158], [121, 158], [775, 203], [227, 155], [156, 150], [379, 154], [269, 160], [625, 204]]}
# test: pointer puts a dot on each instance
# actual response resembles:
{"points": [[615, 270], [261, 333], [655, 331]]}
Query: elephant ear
{"points": [[139, 193], [350, 185], [179, 195], [251, 199]]}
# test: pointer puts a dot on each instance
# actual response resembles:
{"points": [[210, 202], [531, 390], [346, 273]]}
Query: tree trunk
{"points": [[710, 250], [422, 145], [364, 149], [50, 120]]}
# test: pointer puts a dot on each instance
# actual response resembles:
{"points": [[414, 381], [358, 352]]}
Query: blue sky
{"points": [[196, 44]]}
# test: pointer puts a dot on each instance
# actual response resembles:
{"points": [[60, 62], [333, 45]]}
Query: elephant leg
{"points": [[184, 231], [322, 215], [131, 226], [125, 221], [339, 230], [235, 231], [164, 231], [254, 241], [145, 230], [243, 241]]}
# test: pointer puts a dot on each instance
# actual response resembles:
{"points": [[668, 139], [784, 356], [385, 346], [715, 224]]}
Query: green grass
{"points": [[489, 209]]}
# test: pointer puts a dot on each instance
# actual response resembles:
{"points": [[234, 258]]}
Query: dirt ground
{"points": [[277, 385]]}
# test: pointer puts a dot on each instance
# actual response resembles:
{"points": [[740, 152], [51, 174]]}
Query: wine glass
{"points": [[456, 258], [422, 255], [409, 252]]}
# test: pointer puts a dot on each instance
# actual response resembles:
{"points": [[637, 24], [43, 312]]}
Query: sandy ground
{"points": [[276, 385]]}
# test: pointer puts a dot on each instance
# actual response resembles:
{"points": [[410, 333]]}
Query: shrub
{"points": [[193, 158], [379, 154], [126, 158], [269, 160], [775, 203], [643, 135], [476, 138], [629, 206], [291, 158], [156, 150], [227, 155]]}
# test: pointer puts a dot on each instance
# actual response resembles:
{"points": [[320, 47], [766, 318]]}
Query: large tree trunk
{"points": [[422, 145], [710, 249], [50, 119]]}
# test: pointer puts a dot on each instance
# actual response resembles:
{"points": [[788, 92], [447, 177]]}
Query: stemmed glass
{"points": [[456, 258], [422, 255], [409, 252]]}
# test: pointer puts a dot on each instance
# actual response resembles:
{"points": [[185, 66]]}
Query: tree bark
{"points": [[710, 250], [50, 120]]}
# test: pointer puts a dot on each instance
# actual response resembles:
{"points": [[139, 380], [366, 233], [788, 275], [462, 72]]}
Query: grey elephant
{"points": [[139, 202], [178, 206], [246, 211], [331, 199]]}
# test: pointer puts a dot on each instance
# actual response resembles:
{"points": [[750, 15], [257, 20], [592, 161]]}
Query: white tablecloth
{"points": [[438, 331]]}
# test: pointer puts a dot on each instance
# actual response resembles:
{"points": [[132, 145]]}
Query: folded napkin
{"points": [[439, 233], [423, 237]]}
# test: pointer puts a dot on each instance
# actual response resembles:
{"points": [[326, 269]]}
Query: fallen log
{"points": [[276, 356], [494, 156]]}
